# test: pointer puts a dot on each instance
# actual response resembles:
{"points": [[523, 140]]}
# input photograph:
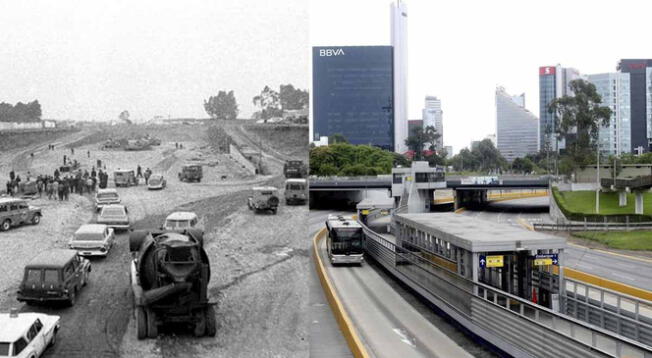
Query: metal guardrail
{"points": [[512, 319], [639, 182], [593, 226]]}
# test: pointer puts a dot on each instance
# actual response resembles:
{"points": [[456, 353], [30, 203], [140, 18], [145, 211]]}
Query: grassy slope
{"points": [[624, 240], [584, 202]]}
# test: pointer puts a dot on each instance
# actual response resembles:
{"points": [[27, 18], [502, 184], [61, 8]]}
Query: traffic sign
{"points": [[491, 261], [546, 259]]}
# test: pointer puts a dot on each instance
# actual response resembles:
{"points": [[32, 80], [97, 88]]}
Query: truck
{"points": [[191, 172], [170, 272], [137, 144], [263, 198], [295, 169]]}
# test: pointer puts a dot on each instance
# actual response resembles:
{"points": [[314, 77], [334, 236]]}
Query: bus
{"points": [[344, 242]]}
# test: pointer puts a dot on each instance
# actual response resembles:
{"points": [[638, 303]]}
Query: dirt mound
{"points": [[166, 133], [287, 139], [16, 140]]}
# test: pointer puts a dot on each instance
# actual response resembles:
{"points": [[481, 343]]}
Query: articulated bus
{"points": [[344, 242]]}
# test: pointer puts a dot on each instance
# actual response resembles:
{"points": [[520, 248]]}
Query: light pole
{"points": [[597, 189]]}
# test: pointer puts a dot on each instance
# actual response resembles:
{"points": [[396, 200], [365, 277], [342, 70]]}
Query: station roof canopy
{"points": [[478, 235], [376, 203]]}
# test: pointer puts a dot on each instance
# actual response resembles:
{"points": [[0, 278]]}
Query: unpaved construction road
{"points": [[259, 263]]}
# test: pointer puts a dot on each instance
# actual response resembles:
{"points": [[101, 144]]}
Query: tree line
{"points": [[20, 112], [271, 103]]}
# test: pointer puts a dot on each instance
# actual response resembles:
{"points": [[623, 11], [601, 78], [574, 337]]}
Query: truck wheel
{"points": [[152, 329], [211, 322], [200, 325], [6, 225], [141, 323], [36, 219]]}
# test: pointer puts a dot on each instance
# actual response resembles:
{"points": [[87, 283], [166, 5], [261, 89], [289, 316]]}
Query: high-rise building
{"points": [[433, 116], [516, 127], [449, 151], [614, 88], [640, 78], [414, 124], [553, 83], [352, 94], [398, 18]]}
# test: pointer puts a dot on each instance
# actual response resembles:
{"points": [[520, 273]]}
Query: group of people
{"points": [[59, 185], [146, 174]]}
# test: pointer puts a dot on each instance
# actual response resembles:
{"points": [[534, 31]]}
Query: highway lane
{"points": [[390, 321], [630, 271]]}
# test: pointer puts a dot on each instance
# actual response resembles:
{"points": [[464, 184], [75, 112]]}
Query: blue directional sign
{"points": [[483, 260]]}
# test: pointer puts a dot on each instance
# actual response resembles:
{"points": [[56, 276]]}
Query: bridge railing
{"points": [[522, 323]]}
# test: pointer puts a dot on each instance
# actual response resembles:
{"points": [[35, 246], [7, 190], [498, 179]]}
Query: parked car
{"points": [[92, 240], [191, 172], [156, 181], [181, 220], [54, 275], [14, 212], [115, 216], [106, 197], [124, 177], [264, 198], [27, 334], [296, 191]]}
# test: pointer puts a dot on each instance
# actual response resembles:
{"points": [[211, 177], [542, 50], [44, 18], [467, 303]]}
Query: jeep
{"points": [[14, 212], [264, 198]]}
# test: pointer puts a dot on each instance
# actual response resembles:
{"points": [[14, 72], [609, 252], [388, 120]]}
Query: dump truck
{"points": [[191, 172], [295, 169], [170, 272]]}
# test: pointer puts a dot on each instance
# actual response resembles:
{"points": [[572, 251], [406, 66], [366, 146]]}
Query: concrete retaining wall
{"points": [[238, 157]]}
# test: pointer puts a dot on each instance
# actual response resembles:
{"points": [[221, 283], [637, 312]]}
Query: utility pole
{"points": [[597, 189]]}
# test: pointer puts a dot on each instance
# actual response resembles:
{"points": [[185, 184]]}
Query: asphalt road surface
{"points": [[390, 320]]}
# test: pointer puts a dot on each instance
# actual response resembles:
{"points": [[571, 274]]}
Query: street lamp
{"points": [[597, 188]]}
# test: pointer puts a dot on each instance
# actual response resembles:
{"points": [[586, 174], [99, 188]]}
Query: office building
{"points": [[414, 124], [352, 94], [398, 19], [449, 151], [553, 83], [433, 116], [517, 128], [640, 78], [614, 88]]}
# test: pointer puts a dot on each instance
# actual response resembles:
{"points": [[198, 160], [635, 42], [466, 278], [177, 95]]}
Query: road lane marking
{"points": [[613, 253], [404, 337]]}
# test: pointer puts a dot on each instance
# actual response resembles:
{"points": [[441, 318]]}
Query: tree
{"points": [[20, 112], [578, 119], [419, 138], [269, 102], [489, 157], [523, 165], [124, 116], [293, 98], [348, 159], [337, 138], [223, 106]]}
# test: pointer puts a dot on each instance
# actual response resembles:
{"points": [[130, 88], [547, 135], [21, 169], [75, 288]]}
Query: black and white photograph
{"points": [[153, 160]]}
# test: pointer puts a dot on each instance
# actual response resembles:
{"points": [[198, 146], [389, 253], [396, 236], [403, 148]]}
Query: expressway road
{"points": [[631, 271], [390, 321]]}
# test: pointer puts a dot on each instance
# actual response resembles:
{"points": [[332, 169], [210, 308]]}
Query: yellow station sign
{"points": [[543, 262], [495, 261]]}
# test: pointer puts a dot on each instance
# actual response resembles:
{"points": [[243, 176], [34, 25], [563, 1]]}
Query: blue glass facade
{"points": [[353, 94]]}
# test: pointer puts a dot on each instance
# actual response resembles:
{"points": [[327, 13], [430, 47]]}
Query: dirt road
{"points": [[258, 262]]}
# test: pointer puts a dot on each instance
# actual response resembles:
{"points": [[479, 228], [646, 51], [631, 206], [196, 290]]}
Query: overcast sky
{"points": [[92, 59], [460, 51]]}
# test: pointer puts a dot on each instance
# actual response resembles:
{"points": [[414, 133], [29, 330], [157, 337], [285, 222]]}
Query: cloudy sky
{"points": [[89, 60], [461, 50]]}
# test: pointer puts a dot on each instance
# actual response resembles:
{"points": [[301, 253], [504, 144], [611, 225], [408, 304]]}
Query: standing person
{"points": [[72, 151], [94, 179], [139, 172], [66, 189], [89, 184], [61, 184], [48, 188], [17, 184], [10, 188], [64, 159], [93, 173], [39, 185], [88, 153], [55, 188], [148, 173], [12, 175]]}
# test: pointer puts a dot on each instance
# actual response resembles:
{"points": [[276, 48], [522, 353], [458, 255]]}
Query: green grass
{"points": [[623, 240], [583, 202]]}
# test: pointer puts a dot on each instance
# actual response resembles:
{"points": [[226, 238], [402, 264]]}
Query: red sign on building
{"points": [[636, 66], [547, 70]]}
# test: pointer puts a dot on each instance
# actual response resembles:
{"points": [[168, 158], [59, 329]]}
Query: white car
{"points": [[181, 220], [93, 240], [106, 197], [156, 181], [27, 335], [115, 216]]}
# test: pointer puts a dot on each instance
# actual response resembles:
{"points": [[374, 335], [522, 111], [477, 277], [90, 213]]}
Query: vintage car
{"points": [[264, 198], [54, 275], [14, 212], [296, 191], [156, 181], [105, 197], [27, 335], [115, 216], [137, 144], [191, 172], [181, 220], [124, 177], [92, 240]]}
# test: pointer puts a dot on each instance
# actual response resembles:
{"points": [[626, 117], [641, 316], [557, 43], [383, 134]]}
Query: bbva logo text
{"points": [[331, 52]]}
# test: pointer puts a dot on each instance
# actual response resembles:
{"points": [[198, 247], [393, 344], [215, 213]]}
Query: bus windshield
{"points": [[346, 241]]}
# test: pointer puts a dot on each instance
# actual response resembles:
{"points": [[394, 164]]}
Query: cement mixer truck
{"points": [[169, 277]]}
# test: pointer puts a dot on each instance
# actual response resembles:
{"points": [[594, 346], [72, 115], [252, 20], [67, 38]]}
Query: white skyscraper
{"points": [[433, 116], [614, 88], [398, 16], [516, 128]]}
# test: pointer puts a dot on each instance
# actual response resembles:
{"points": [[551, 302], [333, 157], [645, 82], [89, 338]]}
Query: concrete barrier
{"points": [[341, 316], [238, 157]]}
